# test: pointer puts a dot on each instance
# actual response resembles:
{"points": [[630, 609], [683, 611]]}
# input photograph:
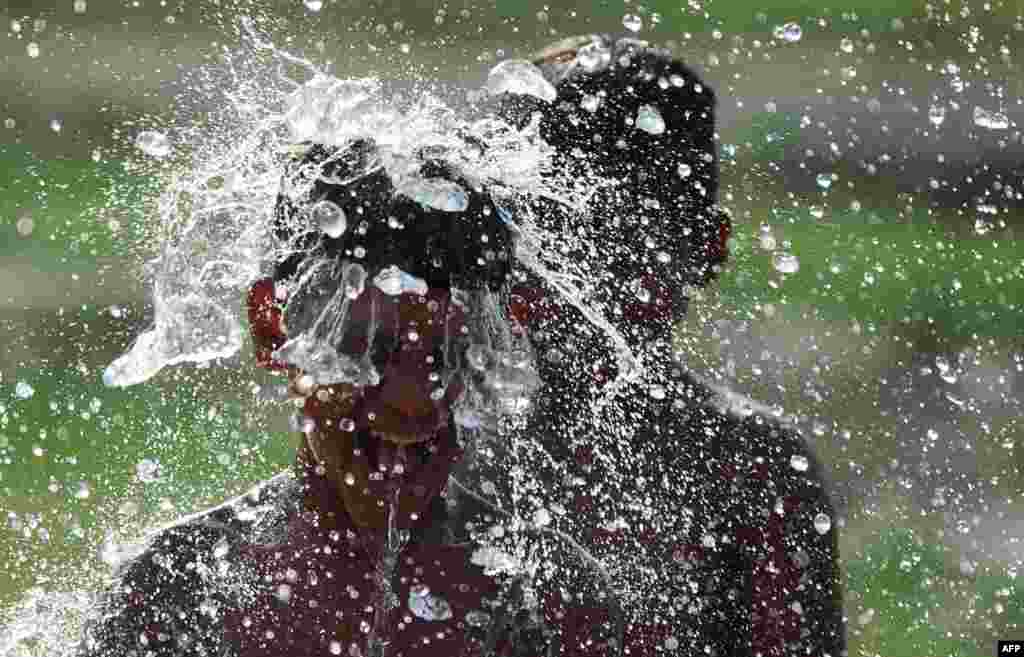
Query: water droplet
{"points": [[10, 123], [314, 5], [83, 491], [671, 643], [641, 291], [518, 76], [350, 479], [334, 647], [477, 618], [154, 144], [541, 518], [684, 170], [990, 120], [633, 23], [789, 32], [392, 281], [355, 280], [824, 180], [25, 226], [56, 125], [347, 424], [32, 49], [428, 606], [147, 471], [476, 356], [23, 390], [936, 115], [846, 45], [594, 56], [330, 218], [822, 523], [657, 392], [649, 119], [785, 262], [590, 102], [799, 462], [80, 6], [441, 195]]}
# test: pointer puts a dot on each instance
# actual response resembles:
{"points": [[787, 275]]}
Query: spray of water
{"points": [[214, 228], [215, 213]]}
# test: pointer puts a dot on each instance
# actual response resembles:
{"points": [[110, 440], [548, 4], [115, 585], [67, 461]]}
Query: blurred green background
{"points": [[874, 296]]}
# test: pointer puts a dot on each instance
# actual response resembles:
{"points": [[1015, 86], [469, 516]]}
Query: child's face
{"points": [[375, 442], [405, 335]]}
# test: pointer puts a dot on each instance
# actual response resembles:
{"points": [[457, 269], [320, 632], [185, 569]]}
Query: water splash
{"points": [[214, 215], [990, 120], [521, 77], [42, 622], [385, 600], [214, 220]]}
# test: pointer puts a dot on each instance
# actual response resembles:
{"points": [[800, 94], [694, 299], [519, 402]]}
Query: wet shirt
{"points": [[745, 563]]}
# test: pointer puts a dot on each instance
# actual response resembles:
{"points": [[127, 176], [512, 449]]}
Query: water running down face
{"points": [[376, 443], [392, 337], [403, 339]]}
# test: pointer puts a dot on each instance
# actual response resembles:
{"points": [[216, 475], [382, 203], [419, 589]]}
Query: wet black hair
{"points": [[470, 249], [667, 183]]}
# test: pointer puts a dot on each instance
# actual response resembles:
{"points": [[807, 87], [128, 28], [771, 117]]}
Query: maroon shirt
{"points": [[741, 567]]}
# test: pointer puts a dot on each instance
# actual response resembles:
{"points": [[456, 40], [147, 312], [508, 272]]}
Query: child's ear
{"points": [[265, 324]]}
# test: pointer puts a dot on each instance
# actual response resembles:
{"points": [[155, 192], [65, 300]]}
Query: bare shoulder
{"points": [[168, 591]]}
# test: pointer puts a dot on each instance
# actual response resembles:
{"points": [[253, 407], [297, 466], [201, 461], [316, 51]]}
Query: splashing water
{"points": [[520, 77], [41, 624], [153, 143], [649, 120], [990, 120], [789, 32], [214, 217], [214, 225]]}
